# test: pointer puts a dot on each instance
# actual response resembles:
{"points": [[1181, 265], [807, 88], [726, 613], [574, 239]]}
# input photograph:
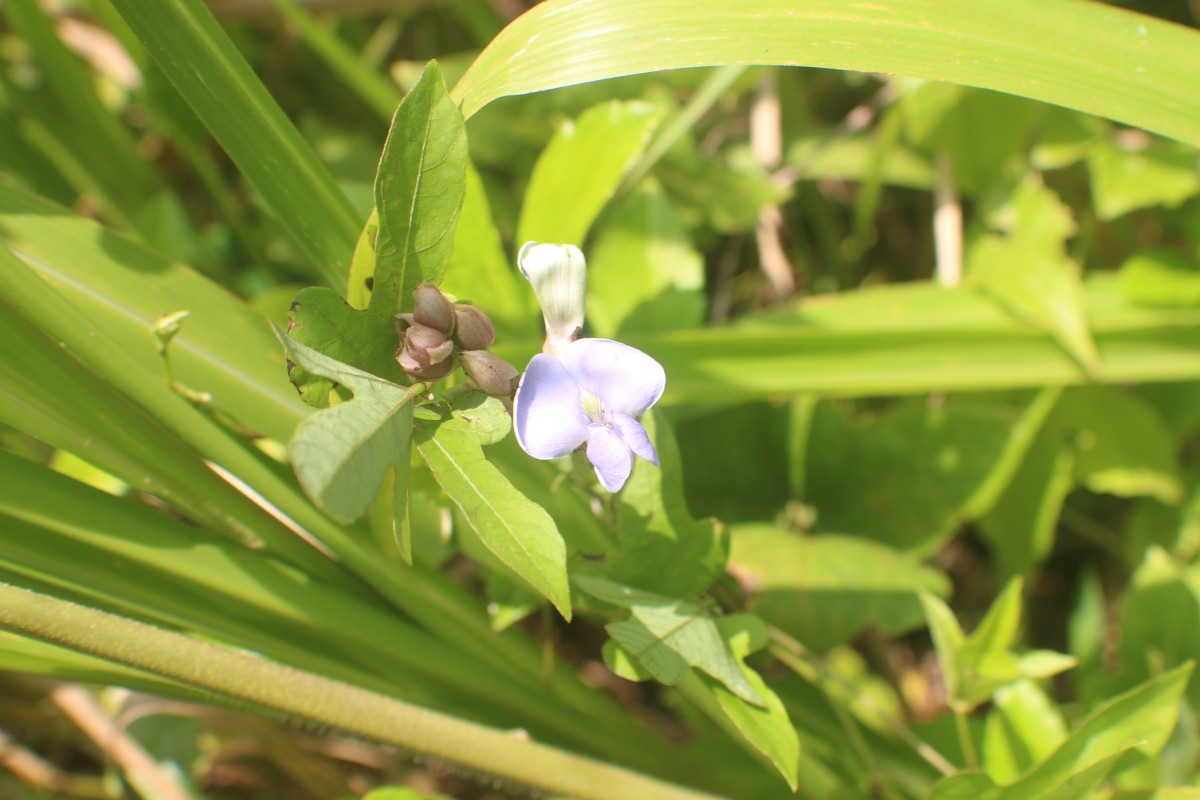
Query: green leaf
{"points": [[1160, 616], [824, 590], [120, 287], [1121, 446], [905, 478], [580, 170], [622, 663], [341, 454], [974, 667], [644, 274], [768, 726], [400, 792], [1140, 720], [516, 530], [915, 338], [726, 194], [156, 568], [948, 639], [1027, 272], [480, 271], [981, 132], [662, 548], [192, 50], [746, 482], [1023, 728], [1144, 73], [1161, 277], [997, 631], [1162, 173], [668, 636], [1020, 526], [66, 101], [418, 192]]}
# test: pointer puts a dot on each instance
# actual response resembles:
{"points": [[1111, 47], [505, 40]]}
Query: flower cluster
{"points": [[437, 330], [581, 392]]}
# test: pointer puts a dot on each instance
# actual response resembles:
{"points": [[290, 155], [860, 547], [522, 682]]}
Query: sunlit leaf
{"points": [[668, 636], [644, 274], [418, 192], [1163, 173], [1023, 728], [1161, 278], [1026, 269], [1145, 74], [192, 50], [516, 530], [581, 168]]}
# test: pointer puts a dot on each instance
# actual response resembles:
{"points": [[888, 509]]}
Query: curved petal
{"points": [[635, 437], [626, 380], [609, 455], [548, 411]]}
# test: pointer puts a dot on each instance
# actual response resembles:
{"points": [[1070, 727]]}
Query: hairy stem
{"points": [[244, 676]]}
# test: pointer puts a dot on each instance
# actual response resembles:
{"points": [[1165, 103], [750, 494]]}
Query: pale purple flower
{"points": [[590, 391]]}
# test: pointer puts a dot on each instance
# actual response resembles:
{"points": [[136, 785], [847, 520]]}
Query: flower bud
{"points": [[432, 309], [426, 345], [558, 273], [428, 372], [491, 373], [472, 328]]}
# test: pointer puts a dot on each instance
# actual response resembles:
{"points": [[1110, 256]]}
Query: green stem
{"points": [[798, 659], [964, 739], [244, 676]]}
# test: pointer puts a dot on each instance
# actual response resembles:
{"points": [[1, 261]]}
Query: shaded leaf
{"points": [[982, 132], [1019, 527], [768, 726], [905, 478], [662, 548], [342, 453], [826, 589], [1121, 446]]}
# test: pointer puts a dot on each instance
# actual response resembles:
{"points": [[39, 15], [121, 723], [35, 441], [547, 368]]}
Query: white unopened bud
{"points": [[558, 273]]}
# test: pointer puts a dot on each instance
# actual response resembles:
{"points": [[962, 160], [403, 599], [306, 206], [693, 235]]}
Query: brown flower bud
{"points": [[427, 346], [473, 329], [432, 309], [428, 372], [491, 373]]}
